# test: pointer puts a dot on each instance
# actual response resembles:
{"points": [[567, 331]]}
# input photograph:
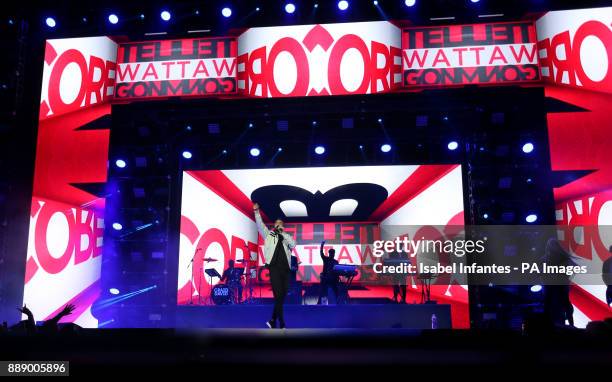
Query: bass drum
{"points": [[222, 294]]}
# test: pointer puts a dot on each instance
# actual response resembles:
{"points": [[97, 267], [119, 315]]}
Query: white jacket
{"points": [[270, 241]]}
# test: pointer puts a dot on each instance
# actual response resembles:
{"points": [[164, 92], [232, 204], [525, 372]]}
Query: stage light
{"points": [[142, 16], [385, 148], [117, 226], [528, 147], [50, 21], [224, 152], [452, 145], [290, 8], [410, 3], [343, 5], [113, 18], [316, 5], [360, 147], [536, 288], [255, 152], [165, 15], [485, 216], [319, 150], [380, 120], [279, 149], [375, 2], [474, 1], [226, 12], [257, 9], [314, 123], [187, 154], [113, 291], [531, 218], [251, 125], [120, 163]]}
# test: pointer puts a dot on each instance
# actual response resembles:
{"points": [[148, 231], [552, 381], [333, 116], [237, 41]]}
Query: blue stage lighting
{"points": [[536, 288], [531, 218], [187, 154], [165, 15], [485, 216], [50, 21], [343, 5], [375, 2], [385, 148], [474, 1], [114, 291], [319, 150], [290, 8], [113, 18], [226, 12], [255, 152], [117, 226], [410, 3], [528, 147], [452, 145], [120, 163]]}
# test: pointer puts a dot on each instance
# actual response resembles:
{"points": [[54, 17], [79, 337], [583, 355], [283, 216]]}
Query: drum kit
{"points": [[229, 292]]}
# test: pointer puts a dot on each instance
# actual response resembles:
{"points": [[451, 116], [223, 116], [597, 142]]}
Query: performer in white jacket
{"points": [[278, 245]]}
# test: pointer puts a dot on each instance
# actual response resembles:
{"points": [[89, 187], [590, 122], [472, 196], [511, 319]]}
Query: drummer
{"points": [[233, 280]]}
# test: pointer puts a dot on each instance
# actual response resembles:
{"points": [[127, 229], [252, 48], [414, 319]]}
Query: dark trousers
{"points": [[399, 290], [326, 283], [279, 278]]}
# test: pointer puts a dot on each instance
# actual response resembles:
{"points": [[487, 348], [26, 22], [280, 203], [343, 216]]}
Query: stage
{"points": [[356, 316]]}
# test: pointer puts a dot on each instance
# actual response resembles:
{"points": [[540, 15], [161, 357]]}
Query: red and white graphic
{"points": [[188, 67], [64, 259], [575, 52], [344, 205], [469, 54], [575, 48], [66, 223], [78, 73], [323, 59]]}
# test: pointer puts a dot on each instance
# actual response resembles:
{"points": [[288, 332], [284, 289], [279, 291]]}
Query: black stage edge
{"points": [[365, 316], [145, 351]]}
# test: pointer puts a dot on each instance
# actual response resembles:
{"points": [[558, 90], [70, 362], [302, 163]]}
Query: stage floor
{"points": [[356, 316]]}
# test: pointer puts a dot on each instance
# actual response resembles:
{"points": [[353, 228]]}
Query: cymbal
{"points": [[209, 260]]}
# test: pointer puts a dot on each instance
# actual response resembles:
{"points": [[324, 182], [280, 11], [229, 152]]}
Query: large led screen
{"points": [[346, 206]]}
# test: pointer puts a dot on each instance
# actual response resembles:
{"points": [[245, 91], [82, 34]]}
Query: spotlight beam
{"points": [[113, 300]]}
